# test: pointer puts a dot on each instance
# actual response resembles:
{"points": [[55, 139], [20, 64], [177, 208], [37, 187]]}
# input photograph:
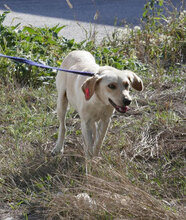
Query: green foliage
{"points": [[152, 12], [39, 44], [158, 45], [164, 31], [160, 42]]}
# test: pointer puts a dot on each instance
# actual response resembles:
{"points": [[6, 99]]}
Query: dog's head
{"points": [[112, 87]]}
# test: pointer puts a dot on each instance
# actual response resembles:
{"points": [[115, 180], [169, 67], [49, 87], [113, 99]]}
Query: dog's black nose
{"points": [[126, 101]]}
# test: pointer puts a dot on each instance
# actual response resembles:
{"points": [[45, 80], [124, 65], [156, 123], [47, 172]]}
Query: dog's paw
{"points": [[53, 153], [57, 150]]}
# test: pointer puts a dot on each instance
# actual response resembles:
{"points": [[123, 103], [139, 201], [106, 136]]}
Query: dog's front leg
{"points": [[62, 104], [100, 135], [87, 130]]}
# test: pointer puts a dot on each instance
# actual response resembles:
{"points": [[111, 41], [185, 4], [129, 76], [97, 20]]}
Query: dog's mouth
{"points": [[121, 109]]}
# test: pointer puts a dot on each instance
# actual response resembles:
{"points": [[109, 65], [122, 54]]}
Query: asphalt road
{"points": [[80, 19]]}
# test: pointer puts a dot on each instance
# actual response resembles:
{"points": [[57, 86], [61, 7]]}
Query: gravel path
{"points": [[85, 16]]}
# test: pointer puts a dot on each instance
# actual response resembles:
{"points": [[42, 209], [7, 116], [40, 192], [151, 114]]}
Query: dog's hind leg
{"points": [[62, 104]]}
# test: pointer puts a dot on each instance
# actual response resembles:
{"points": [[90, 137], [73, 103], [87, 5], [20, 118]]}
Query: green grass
{"points": [[140, 174]]}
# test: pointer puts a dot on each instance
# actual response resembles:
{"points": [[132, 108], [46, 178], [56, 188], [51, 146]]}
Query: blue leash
{"points": [[32, 63]]}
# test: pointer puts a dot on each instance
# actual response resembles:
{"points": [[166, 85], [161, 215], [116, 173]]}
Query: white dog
{"points": [[95, 98]]}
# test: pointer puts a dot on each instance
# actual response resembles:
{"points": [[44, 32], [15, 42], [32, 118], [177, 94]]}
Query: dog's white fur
{"points": [[95, 108]]}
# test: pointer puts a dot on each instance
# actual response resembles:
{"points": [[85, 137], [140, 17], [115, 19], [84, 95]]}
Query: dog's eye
{"points": [[112, 86], [126, 85]]}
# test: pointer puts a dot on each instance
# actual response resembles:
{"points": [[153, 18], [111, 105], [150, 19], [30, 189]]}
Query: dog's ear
{"points": [[89, 85], [135, 81]]}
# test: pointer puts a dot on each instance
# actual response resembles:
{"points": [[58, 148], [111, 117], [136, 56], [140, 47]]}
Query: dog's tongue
{"points": [[126, 108], [123, 109]]}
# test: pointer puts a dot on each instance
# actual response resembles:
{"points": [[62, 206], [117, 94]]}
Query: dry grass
{"points": [[112, 196]]}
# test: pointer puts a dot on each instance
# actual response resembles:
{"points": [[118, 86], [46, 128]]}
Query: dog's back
{"points": [[77, 57]]}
